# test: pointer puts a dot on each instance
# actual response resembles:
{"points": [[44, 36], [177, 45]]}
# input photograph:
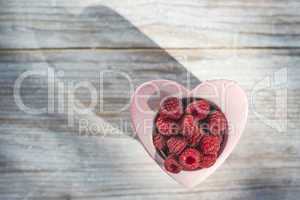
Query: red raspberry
{"points": [[210, 144], [195, 139], [189, 126], [166, 127], [172, 165], [217, 123], [190, 159], [171, 108], [190, 129], [199, 109], [159, 141], [176, 145], [208, 161]]}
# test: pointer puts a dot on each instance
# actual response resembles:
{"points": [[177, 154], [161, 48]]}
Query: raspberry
{"points": [[172, 165], [171, 108], [190, 159], [159, 141], [199, 109], [191, 130], [210, 144], [189, 126], [208, 161], [176, 144], [217, 123], [194, 140], [166, 127]]}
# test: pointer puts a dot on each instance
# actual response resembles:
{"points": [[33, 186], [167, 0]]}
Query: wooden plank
{"points": [[127, 24], [52, 165], [248, 67]]}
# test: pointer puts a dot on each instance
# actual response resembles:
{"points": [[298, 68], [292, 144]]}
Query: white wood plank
{"points": [[247, 67], [128, 24], [53, 165]]}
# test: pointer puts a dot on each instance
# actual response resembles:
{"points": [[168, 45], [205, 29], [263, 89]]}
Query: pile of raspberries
{"points": [[189, 133]]}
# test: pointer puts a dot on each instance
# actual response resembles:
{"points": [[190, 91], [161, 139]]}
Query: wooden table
{"points": [[104, 44]]}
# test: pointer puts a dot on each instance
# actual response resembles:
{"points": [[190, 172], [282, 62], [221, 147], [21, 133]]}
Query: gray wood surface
{"points": [[44, 157], [173, 24]]}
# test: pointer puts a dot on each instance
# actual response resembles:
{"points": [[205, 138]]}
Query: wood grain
{"points": [[78, 66], [175, 24], [45, 156]]}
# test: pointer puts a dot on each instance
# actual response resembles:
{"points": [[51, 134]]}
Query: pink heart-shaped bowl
{"points": [[226, 94]]}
